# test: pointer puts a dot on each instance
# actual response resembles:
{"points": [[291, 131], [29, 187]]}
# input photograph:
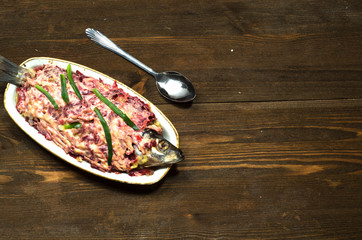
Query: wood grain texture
{"points": [[273, 141]]}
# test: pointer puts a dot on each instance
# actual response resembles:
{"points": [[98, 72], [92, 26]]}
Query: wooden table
{"points": [[273, 141]]}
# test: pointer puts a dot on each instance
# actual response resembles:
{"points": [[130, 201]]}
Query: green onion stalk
{"points": [[72, 83], [107, 133], [45, 92], [115, 109]]}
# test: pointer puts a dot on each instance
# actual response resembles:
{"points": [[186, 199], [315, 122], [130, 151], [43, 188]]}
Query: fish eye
{"points": [[163, 145]]}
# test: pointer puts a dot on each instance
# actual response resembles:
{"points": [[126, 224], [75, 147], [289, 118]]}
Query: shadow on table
{"points": [[181, 105], [124, 187], [2, 88]]}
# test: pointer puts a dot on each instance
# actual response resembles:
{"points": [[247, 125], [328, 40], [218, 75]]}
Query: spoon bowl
{"points": [[175, 87], [172, 85]]}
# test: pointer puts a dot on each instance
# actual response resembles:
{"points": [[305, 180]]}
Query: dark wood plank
{"points": [[225, 78], [272, 174]]}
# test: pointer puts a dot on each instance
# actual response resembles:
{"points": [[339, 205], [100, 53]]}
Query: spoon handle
{"points": [[105, 42]]}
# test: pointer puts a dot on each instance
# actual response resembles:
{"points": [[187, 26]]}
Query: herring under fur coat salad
{"points": [[94, 121]]}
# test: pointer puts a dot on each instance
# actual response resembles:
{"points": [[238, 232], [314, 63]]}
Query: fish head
{"points": [[163, 153]]}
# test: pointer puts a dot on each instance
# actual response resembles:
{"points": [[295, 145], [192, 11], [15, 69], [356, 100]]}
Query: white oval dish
{"points": [[169, 131]]}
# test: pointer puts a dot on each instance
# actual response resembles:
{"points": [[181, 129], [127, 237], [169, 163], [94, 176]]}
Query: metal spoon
{"points": [[172, 85]]}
